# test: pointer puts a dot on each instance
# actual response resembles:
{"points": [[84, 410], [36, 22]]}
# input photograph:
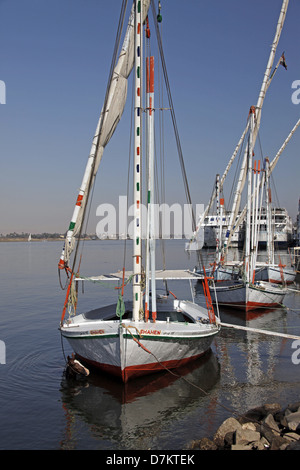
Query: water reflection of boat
{"points": [[250, 362], [134, 413], [248, 318]]}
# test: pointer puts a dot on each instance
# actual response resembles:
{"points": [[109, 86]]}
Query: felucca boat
{"points": [[247, 293], [152, 332]]}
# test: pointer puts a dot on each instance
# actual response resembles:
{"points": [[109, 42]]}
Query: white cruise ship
{"points": [[211, 231], [283, 229], [282, 226]]}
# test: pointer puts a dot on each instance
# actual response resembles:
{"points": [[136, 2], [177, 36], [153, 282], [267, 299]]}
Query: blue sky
{"points": [[55, 58]]}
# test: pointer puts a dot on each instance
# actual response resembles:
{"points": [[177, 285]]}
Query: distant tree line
{"points": [[33, 235]]}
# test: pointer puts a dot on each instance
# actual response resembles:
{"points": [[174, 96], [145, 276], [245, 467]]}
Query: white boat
{"points": [[270, 271], [248, 296], [274, 230], [247, 293], [275, 273], [152, 332], [127, 348], [282, 228]]}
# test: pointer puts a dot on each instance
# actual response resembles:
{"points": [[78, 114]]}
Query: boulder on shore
{"points": [[267, 427]]}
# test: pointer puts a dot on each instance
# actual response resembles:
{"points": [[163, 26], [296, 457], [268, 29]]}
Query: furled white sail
{"points": [[267, 79], [109, 118], [271, 168], [265, 85]]}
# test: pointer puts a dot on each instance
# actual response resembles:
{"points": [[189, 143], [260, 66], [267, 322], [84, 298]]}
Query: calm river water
{"points": [[41, 410]]}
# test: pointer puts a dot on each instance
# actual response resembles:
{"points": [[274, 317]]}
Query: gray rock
{"points": [[292, 436], [271, 423], [262, 444], [272, 408], [229, 439], [293, 446], [260, 412], [229, 425], [251, 426], [284, 446], [293, 420], [256, 414], [279, 442], [293, 407], [269, 428], [207, 444], [281, 419], [241, 447], [246, 436]]}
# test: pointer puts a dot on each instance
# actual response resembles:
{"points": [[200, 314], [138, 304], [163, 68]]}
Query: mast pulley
{"points": [[159, 17]]}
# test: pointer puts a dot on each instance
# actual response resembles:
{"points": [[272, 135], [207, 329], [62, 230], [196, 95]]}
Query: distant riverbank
{"points": [[7, 239]]}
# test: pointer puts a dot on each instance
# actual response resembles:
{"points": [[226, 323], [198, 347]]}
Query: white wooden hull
{"points": [[222, 273], [237, 294], [274, 274], [128, 349]]}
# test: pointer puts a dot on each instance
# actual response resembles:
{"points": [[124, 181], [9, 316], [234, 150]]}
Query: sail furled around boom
{"points": [[267, 79], [109, 118], [264, 87]]}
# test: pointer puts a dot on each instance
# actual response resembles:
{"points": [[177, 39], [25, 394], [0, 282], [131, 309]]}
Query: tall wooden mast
{"points": [[137, 233]]}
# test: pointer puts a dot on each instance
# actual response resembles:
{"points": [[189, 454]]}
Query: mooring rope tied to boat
{"points": [[136, 340], [227, 408], [257, 330], [294, 290]]}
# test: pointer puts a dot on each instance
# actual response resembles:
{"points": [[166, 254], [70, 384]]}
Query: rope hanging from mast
{"points": [[177, 138], [179, 148]]}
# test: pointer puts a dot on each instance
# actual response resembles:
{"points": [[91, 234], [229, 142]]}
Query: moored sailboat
{"points": [[152, 332], [277, 273], [247, 293]]}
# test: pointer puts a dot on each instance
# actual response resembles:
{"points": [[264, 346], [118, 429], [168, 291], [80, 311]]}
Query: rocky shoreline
{"points": [[267, 427]]}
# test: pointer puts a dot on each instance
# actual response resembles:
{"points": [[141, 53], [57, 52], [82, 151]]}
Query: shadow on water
{"points": [[133, 415]]}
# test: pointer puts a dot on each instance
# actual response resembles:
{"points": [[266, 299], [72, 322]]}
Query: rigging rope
{"points": [[173, 116], [178, 143]]}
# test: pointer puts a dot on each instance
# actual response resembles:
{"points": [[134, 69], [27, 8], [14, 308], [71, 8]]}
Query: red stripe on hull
{"points": [[254, 305], [275, 281], [251, 305], [133, 372]]}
